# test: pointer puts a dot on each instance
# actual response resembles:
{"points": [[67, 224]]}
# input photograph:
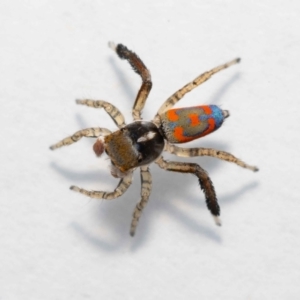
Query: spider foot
{"points": [[217, 220], [253, 168], [74, 188], [112, 45]]}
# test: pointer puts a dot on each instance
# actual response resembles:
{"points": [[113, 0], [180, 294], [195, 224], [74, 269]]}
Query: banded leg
{"points": [[122, 187], [146, 181], [192, 152], [171, 101], [113, 112], [204, 180], [88, 132], [139, 67]]}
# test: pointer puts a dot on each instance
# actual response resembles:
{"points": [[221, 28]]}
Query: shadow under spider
{"points": [[123, 78], [215, 98], [118, 217]]}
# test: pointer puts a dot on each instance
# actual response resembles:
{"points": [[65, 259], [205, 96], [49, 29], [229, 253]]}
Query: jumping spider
{"points": [[140, 143]]}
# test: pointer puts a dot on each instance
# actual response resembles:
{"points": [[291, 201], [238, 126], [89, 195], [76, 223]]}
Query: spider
{"points": [[141, 143]]}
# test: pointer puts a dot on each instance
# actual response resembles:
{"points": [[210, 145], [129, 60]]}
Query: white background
{"points": [[56, 244]]}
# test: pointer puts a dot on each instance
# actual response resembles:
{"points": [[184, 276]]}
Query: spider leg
{"points": [[171, 101], [113, 112], [204, 180], [122, 187], [146, 181], [139, 67], [88, 132], [192, 152]]}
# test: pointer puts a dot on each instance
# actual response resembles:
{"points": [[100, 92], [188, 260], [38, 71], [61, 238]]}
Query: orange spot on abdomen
{"points": [[210, 128], [172, 116], [180, 137], [206, 109], [194, 119]]}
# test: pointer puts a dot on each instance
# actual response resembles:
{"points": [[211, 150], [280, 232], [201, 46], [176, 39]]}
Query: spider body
{"points": [[140, 143]]}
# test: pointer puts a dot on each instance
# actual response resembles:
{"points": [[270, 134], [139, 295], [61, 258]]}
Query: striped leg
{"points": [[122, 187], [204, 180], [192, 152], [146, 181], [139, 67], [89, 132], [113, 112], [171, 101]]}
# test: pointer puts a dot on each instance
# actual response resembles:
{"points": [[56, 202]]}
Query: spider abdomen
{"points": [[181, 125]]}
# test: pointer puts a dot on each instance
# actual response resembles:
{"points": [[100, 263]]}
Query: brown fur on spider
{"points": [[141, 143]]}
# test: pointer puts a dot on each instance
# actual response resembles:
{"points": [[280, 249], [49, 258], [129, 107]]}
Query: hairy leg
{"points": [[146, 181], [88, 132], [171, 101], [139, 67], [122, 187], [192, 152], [113, 112], [204, 180]]}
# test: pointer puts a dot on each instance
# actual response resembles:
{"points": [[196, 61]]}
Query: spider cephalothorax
{"points": [[140, 143], [134, 145]]}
